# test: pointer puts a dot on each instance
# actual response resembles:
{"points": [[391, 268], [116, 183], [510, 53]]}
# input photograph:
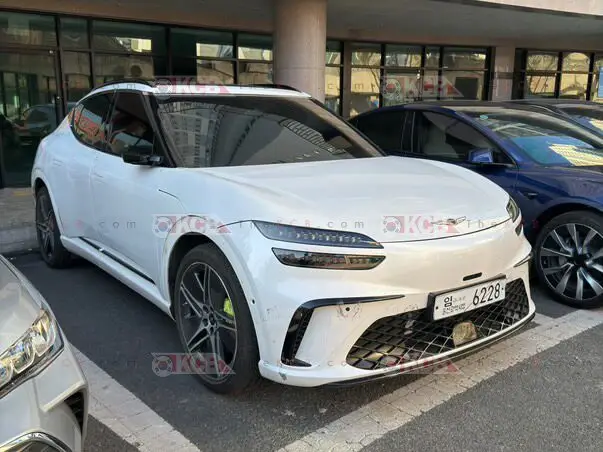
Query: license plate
{"points": [[463, 300]]}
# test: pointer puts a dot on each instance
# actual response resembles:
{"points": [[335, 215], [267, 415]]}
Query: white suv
{"points": [[282, 242]]}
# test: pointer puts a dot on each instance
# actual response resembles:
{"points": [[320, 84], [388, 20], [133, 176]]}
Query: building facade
{"points": [[352, 54]]}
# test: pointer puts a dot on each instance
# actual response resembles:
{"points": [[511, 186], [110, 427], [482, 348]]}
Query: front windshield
{"points": [[591, 117], [216, 131], [546, 139]]}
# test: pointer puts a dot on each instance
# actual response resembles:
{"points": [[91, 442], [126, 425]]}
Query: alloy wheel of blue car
{"points": [[569, 258]]}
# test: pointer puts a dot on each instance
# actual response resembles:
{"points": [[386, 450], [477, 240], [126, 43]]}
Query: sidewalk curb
{"points": [[18, 239]]}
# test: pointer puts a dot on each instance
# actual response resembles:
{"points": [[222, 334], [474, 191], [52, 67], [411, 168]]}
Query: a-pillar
{"points": [[300, 37]]}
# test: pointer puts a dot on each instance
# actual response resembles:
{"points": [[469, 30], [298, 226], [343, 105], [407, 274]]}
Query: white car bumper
{"points": [[349, 323], [49, 408]]}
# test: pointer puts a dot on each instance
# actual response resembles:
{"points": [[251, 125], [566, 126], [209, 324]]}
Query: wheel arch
{"points": [[558, 209], [39, 182], [177, 247]]}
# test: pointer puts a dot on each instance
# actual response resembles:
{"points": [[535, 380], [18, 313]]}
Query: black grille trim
{"points": [[75, 402], [412, 336], [299, 321]]}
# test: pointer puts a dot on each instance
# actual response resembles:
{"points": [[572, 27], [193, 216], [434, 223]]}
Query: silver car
{"points": [[43, 392]]}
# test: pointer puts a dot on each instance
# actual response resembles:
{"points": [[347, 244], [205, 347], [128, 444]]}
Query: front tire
{"points": [[569, 259], [47, 230], [214, 322]]}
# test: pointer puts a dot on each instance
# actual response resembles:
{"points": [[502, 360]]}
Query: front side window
{"points": [[88, 120], [129, 127], [383, 128], [256, 130], [546, 139], [444, 137]]}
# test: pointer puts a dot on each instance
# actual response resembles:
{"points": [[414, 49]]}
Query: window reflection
{"points": [[201, 43], [462, 84], [128, 37], [115, 67], [27, 29], [573, 86], [366, 54], [576, 62], [76, 72], [333, 88], [542, 61], [215, 71], [255, 73], [403, 56], [401, 87], [539, 86], [462, 58], [366, 84], [74, 33], [255, 47]]}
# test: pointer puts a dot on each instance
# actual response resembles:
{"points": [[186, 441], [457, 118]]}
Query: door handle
{"points": [[529, 194]]}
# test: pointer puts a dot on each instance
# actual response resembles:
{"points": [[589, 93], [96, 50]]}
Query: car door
{"points": [[446, 138], [128, 197], [73, 155]]}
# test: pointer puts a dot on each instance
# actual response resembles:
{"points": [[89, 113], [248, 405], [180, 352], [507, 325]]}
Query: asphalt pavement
{"points": [[551, 401]]}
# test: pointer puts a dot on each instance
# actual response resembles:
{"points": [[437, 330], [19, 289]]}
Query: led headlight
{"points": [[314, 236], [40, 343], [513, 210], [329, 261]]}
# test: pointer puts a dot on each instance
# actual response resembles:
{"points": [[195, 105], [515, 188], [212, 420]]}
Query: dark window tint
{"points": [[36, 115], [444, 137], [129, 127], [236, 131], [384, 129], [88, 119]]}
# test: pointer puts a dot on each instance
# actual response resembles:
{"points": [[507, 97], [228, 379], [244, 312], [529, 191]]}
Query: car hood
{"points": [[18, 310], [390, 199]]}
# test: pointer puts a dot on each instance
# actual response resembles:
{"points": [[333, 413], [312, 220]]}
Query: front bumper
{"points": [[336, 309], [50, 408]]}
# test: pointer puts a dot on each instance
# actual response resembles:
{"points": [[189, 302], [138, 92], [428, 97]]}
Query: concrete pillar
{"points": [[300, 41], [502, 78]]}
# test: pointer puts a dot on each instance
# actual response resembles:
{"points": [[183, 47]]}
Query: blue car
{"points": [[551, 166]]}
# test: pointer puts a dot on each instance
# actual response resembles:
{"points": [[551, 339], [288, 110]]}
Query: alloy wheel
{"points": [[571, 258], [208, 321], [45, 224]]}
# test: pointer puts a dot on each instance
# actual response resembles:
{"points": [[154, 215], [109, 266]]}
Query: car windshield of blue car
{"points": [[548, 140], [218, 131]]}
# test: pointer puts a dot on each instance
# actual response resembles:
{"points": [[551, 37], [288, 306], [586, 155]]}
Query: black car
{"points": [[589, 114]]}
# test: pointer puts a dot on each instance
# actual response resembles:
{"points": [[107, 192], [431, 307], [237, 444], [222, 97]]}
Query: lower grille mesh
{"points": [[412, 336]]}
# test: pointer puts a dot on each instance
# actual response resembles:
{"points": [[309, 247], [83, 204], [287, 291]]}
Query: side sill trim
{"points": [[117, 259]]}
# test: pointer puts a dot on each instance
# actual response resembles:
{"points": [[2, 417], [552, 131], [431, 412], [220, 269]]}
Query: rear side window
{"points": [[129, 128], [384, 129], [88, 120]]}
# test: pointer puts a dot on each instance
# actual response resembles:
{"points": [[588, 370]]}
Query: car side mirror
{"points": [[481, 156], [141, 155]]}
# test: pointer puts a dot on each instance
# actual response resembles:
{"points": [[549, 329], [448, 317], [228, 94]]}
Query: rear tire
{"points": [[217, 325], [47, 230], [569, 259]]}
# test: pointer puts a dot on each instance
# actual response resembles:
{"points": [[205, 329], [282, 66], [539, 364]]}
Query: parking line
{"points": [[390, 412], [128, 416]]}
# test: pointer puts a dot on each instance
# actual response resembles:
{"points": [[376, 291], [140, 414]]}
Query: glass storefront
{"points": [[48, 62], [558, 74], [391, 74]]}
